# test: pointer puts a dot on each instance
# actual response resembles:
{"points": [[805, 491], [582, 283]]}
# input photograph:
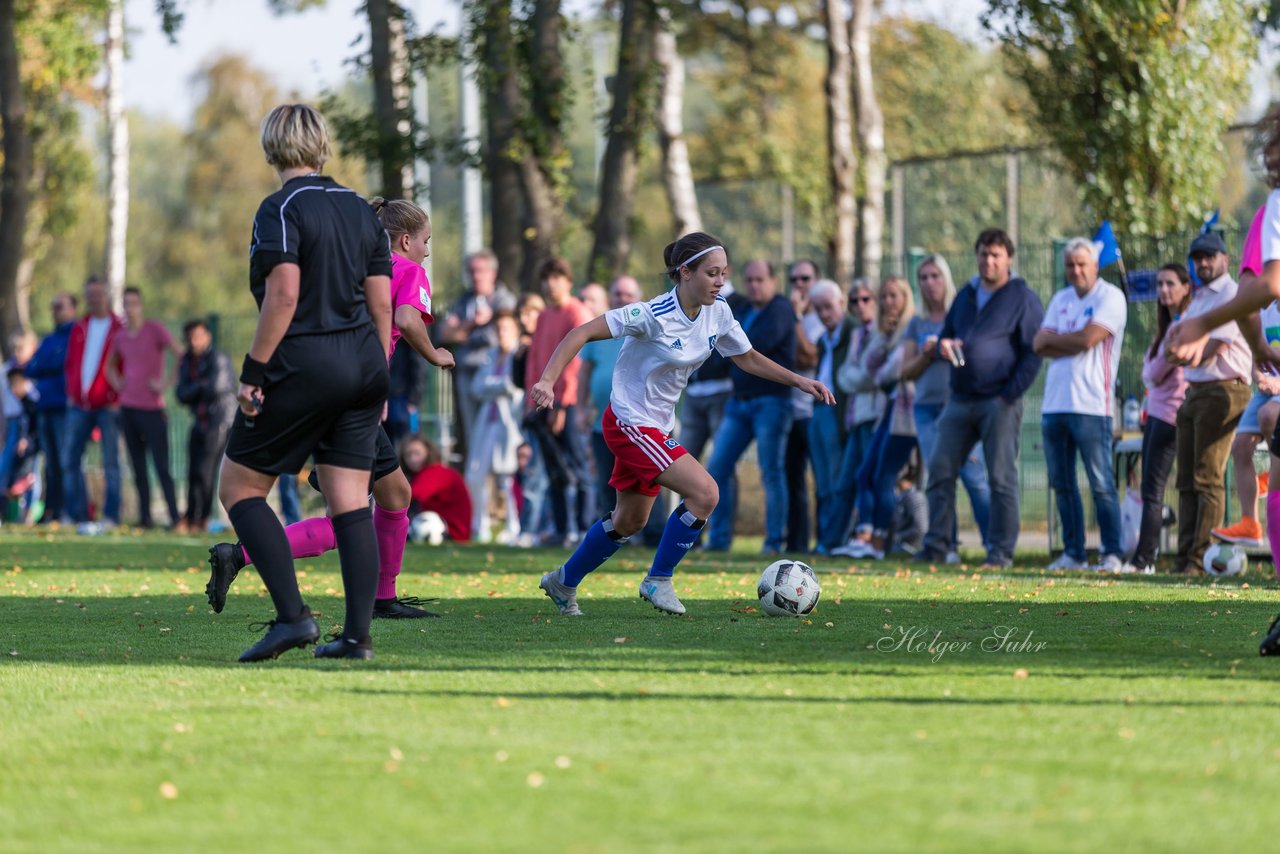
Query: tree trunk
{"points": [[389, 60], [543, 146], [502, 102], [677, 175], [632, 91], [118, 155], [842, 159], [870, 141], [15, 176]]}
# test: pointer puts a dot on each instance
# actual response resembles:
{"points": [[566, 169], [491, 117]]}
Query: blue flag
{"points": [[1208, 225], [1104, 240]]}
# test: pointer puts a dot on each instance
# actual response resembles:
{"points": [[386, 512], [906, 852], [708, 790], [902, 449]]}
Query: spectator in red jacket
{"points": [[91, 402], [436, 487]]}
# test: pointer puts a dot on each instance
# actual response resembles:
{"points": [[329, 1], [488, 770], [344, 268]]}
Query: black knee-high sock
{"points": [[358, 554], [263, 537]]}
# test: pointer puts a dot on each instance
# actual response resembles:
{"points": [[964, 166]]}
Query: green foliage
{"points": [[941, 93], [1135, 94], [60, 55]]}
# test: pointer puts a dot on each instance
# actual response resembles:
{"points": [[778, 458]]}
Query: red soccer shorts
{"points": [[640, 455]]}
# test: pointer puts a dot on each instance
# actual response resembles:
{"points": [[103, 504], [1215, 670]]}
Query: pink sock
{"points": [[1273, 526], [308, 538], [392, 529]]}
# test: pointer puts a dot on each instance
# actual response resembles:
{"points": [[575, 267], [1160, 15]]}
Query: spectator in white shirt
{"points": [[1082, 332]]}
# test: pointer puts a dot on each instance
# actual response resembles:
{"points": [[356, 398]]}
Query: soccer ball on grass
{"points": [[427, 528], [788, 588], [1225, 559]]}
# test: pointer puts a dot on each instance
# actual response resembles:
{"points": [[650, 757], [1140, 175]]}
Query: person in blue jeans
{"points": [[93, 404], [1081, 336], [932, 375], [759, 410], [47, 369], [863, 410], [827, 431], [894, 438], [988, 336]]}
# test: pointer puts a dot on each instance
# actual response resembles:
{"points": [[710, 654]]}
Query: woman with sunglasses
{"points": [[866, 400]]}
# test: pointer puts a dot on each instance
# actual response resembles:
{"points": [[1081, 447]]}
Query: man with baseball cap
{"points": [[1217, 393]]}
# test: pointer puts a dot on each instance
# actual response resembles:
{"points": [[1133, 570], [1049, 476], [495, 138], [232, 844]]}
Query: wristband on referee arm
{"points": [[253, 372]]}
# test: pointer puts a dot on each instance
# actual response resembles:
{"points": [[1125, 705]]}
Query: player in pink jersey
{"points": [[409, 231]]}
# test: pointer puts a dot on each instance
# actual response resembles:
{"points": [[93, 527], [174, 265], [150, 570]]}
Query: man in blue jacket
{"points": [[759, 410], [47, 369], [988, 337]]}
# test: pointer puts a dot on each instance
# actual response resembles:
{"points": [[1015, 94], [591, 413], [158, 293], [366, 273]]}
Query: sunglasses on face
{"points": [[795, 279], [862, 299]]}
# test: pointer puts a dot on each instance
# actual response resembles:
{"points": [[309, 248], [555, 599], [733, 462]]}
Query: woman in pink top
{"points": [[136, 370], [1165, 390]]}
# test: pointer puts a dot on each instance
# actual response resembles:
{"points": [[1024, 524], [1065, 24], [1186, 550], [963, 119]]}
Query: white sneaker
{"points": [[661, 594], [1066, 562], [952, 559], [564, 596], [849, 549], [1109, 563]]}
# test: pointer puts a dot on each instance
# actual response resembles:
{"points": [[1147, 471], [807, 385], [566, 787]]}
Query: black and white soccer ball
{"points": [[1225, 559], [427, 528], [788, 588]]}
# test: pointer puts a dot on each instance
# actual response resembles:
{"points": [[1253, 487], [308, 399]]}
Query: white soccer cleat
{"points": [[661, 594], [564, 596], [1066, 562]]}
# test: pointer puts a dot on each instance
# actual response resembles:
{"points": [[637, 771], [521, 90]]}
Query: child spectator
{"points": [[436, 487]]}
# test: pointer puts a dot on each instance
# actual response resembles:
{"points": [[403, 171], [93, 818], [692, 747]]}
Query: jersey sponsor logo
{"points": [[676, 345], [711, 342], [635, 312]]}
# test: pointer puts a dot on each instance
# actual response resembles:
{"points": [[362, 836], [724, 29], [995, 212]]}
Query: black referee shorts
{"points": [[386, 460], [323, 395]]}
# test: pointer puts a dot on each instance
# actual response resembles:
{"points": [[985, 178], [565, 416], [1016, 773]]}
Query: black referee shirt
{"points": [[336, 239]]}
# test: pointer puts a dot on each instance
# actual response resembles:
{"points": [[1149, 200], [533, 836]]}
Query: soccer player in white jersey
{"points": [[668, 338]]}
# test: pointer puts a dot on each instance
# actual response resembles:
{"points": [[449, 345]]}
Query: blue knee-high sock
{"points": [[596, 547], [678, 537]]}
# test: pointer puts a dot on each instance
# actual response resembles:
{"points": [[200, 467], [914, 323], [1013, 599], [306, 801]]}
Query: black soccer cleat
{"points": [[1271, 643], [282, 637], [340, 647], [225, 562], [403, 608]]}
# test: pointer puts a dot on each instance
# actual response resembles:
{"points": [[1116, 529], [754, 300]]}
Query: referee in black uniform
{"points": [[314, 380]]}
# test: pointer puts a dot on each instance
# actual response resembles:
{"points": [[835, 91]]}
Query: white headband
{"points": [[696, 256]]}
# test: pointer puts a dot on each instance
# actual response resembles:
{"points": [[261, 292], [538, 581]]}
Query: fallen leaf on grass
{"points": [[168, 791], [619, 640], [535, 780], [563, 762], [1021, 673], [503, 703]]}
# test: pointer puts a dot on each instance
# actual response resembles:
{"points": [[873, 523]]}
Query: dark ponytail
{"points": [[686, 247], [1164, 317]]}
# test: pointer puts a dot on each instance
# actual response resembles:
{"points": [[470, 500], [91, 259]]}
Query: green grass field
{"points": [[1132, 714]]}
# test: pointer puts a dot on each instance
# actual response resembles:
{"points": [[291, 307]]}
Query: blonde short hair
{"points": [[295, 135]]}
